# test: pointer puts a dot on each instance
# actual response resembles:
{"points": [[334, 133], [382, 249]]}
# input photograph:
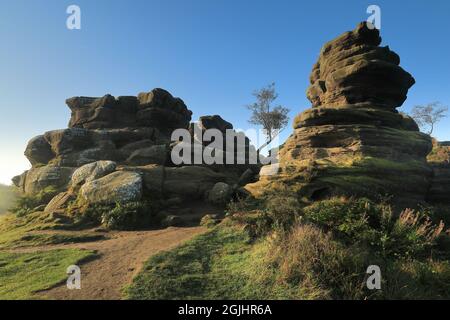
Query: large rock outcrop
{"points": [[353, 141], [118, 150]]}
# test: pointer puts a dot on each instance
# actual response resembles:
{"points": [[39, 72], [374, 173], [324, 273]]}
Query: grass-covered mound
{"points": [[281, 250], [24, 274]]}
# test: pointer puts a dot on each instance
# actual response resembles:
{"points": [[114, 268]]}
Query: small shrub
{"points": [[27, 204], [315, 266], [412, 234], [131, 216], [276, 213], [241, 205], [209, 221], [360, 221]]}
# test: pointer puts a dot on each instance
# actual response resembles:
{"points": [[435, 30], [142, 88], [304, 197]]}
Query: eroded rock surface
{"points": [[353, 141], [118, 150]]}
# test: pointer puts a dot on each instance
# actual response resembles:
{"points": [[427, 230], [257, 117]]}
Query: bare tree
{"points": [[429, 115], [272, 119]]}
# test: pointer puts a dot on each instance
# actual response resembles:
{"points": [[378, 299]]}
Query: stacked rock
{"points": [[118, 150], [353, 141]]}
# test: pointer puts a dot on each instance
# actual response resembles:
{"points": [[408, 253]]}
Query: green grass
{"points": [[214, 265], [7, 198], [322, 254], [36, 230], [23, 274]]}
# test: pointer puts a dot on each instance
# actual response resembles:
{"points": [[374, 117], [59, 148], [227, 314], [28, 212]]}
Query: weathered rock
{"points": [[118, 150], [19, 181], [172, 221], [220, 194], [152, 155], [214, 122], [160, 109], [247, 177], [60, 202], [39, 151], [353, 141], [353, 69], [119, 186], [40, 178], [68, 140], [92, 171], [153, 177], [190, 182]]}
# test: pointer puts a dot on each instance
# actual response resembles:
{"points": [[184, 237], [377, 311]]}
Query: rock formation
{"points": [[118, 150], [439, 160], [353, 141]]}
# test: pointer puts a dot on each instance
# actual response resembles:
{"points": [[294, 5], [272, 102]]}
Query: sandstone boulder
{"points": [[157, 154], [37, 179], [117, 187], [220, 194], [92, 171], [60, 202], [190, 182], [39, 151]]}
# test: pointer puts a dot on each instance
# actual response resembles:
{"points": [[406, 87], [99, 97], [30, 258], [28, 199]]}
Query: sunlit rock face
{"points": [[118, 150], [353, 141]]}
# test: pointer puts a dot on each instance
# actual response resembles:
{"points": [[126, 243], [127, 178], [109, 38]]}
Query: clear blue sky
{"points": [[211, 53]]}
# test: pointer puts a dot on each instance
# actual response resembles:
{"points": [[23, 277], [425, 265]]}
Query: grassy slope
{"points": [[304, 264], [22, 274], [212, 266], [28, 231], [7, 198]]}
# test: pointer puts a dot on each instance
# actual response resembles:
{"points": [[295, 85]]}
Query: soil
{"points": [[118, 261]]}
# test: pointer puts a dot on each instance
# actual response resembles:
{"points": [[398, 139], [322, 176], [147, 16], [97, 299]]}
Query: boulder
{"points": [[39, 151], [151, 155], [153, 176], [214, 122], [92, 171], [37, 179], [190, 182], [19, 181], [60, 202], [220, 194], [68, 140], [159, 109], [117, 187], [172, 221]]}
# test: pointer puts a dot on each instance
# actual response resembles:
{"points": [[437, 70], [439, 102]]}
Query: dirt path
{"points": [[120, 258]]}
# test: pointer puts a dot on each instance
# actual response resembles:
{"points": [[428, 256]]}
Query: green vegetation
{"points": [[7, 198], [131, 216], [37, 229], [439, 154], [26, 204], [118, 216], [23, 274], [280, 249]]}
